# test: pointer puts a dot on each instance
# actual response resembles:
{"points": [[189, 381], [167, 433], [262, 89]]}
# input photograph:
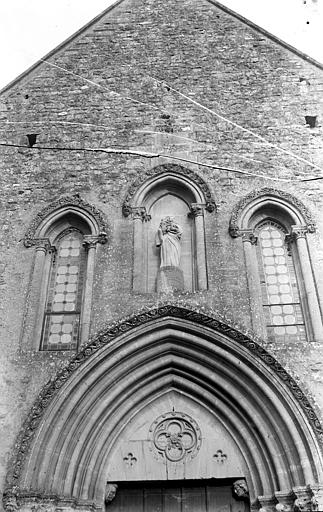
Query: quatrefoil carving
{"points": [[175, 436]]}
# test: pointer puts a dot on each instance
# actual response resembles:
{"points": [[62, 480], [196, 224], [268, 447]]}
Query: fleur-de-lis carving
{"points": [[220, 457], [130, 460]]}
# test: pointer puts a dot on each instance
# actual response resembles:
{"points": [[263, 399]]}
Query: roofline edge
{"points": [[75, 35], [267, 34], [220, 6]]}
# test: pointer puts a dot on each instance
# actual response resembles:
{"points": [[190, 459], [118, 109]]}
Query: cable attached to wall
{"points": [[150, 155]]}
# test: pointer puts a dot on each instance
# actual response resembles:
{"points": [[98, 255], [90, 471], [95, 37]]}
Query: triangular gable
{"points": [[97, 19]]}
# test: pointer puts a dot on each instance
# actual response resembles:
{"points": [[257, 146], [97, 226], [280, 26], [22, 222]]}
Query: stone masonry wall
{"points": [[139, 79]]}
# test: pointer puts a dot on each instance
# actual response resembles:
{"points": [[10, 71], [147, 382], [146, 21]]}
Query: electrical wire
{"points": [[160, 82], [60, 121], [95, 84], [206, 144], [148, 155]]}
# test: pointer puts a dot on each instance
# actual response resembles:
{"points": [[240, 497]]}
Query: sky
{"points": [[29, 29]]}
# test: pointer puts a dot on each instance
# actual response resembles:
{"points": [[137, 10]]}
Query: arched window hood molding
{"points": [[245, 208], [59, 208], [158, 175]]}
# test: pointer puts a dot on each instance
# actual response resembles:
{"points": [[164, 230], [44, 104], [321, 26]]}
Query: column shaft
{"points": [[200, 253], [255, 295], [310, 290], [88, 287]]}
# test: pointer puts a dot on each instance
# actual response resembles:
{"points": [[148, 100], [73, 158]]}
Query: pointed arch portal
{"points": [[121, 403]]}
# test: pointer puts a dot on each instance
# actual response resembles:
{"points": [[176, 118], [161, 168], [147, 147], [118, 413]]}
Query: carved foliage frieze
{"points": [[30, 238], [234, 228], [175, 436], [127, 207], [108, 335], [15, 499]]}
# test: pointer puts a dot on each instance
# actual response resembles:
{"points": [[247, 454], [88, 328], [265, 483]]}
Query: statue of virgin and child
{"points": [[168, 238]]}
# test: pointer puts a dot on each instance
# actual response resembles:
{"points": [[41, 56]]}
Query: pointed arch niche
{"points": [[64, 235], [169, 190], [274, 226], [105, 416]]}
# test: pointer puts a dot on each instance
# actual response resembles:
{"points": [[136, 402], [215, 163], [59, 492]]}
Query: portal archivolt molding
{"points": [[142, 320], [207, 340]]}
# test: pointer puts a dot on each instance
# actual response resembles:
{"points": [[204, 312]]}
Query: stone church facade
{"points": [[161, 269]]}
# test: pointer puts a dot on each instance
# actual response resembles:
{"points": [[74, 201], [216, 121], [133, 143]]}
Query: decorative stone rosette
{"points": [[175, 437]]}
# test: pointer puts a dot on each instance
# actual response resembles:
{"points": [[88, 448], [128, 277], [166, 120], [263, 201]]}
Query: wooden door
{"points": [[176, 497]]}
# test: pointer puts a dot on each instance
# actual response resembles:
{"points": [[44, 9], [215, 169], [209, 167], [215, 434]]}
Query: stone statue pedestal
{"points": [[169, 280]]}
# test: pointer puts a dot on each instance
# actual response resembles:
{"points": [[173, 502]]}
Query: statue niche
{"points": [[170, 276], [169, 245], [168, 231]]}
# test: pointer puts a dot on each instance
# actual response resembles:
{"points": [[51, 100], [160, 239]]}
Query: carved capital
{"points": [[285, 501], [296, 233], [249, 236], [140, 213], [10, 501], [39, 243], [110, 492], [317, 497], [90, 241], [267, 503], [303, 502], [196, 210], [299, 232]]}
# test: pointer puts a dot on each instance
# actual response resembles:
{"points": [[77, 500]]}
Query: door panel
{"points": [[153, 500], [189, 497], [172, 499], [193, 499]]}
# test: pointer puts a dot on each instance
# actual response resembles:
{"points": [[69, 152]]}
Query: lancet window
{"points": [[274, 227], [65, 241], [280, 291], [64, 299]]}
